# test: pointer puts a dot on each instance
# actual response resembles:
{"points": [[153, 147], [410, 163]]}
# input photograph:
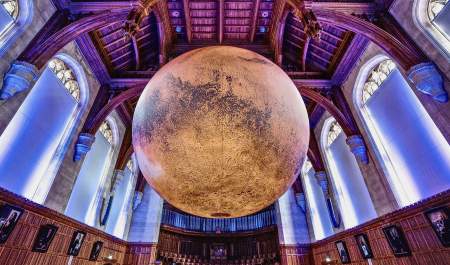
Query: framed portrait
{"points": [[439, 219], [9, 217], [343, 252], [397, 241], [95, 251], [364, 246], [44, 238], [75, 243]]}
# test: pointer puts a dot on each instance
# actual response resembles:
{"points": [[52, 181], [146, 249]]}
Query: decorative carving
{"points": [[309, 21], [20, 77], [83, 145], [429, 81], [358, 148]]}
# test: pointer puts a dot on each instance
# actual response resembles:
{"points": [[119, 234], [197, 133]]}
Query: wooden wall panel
{"points": [[17, 249], [140, 253], [425, 246], [295, 254]]}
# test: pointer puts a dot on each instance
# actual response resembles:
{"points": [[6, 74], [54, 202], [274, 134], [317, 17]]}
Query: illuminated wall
{"points": [[291, 220], [317, 206], [84, 198], [348, 184], [146, 219], [414, 152], [29, 143]]}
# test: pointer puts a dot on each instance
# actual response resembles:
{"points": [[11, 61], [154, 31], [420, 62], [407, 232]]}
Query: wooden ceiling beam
{"points": [[95, 6], [305, 53], [254, 20], [221, 20], [187, 20]]}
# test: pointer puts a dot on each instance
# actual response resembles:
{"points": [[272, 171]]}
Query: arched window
{"points": [[316, 203], [413, 152], [347, 181], [433, 16], [89, 186], [33, 144], [15, 16]]}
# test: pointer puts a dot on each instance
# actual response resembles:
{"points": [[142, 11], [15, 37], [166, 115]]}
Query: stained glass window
{"points": [[435, 7], [66, 76], [376, 78], [11, 6], [333, 133], [105, 130]]}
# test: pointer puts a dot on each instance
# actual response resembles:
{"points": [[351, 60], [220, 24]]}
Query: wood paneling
{"points": [[17, 250], [425, 246]]}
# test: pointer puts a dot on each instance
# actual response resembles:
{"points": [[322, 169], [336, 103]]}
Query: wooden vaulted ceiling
{"points": [[133, 52], [197, 23]]}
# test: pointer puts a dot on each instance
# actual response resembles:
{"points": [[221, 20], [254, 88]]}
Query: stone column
{"points": [[146, 219]]}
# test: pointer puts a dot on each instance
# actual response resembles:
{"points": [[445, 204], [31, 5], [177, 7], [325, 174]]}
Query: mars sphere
{"points": [[220, 132]]}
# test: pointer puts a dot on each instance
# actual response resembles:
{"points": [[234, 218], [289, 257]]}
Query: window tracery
{"points": [[130, 165], [376, 78], [11, 7], [106, 131], [333, 133], [66, 76], [435, 7]]}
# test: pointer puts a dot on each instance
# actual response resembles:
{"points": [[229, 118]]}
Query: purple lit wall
{"points": [[414, 151], [29, 143]]}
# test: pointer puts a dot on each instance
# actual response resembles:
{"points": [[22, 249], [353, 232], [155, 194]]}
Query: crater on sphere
{"points": [[220, 132]]}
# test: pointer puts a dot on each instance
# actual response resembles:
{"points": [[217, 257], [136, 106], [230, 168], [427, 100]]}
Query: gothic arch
{"points": [[23, 20], [422, 21]]}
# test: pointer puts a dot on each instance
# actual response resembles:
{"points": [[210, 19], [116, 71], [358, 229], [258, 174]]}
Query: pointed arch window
{"points": [[90, 184], [11, 7], [347, 181], [15, 16], [376, 78], [401, 132], [435, 7], [30, 161], [66, 76]]}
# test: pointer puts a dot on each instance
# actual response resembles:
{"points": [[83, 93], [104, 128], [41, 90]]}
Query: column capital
{"points": [[83, 145], [428, 80], [321, 177], [20, 77], [358, 148]]}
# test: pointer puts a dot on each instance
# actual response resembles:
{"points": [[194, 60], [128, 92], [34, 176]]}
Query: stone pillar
{"points": [[429, 81], [321, 177], [358, 148], [291, 220], [20, 77], [146, 219], [83, 145]]}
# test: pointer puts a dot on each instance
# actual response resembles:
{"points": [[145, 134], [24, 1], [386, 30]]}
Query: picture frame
{"points": [[9, 217], [95, 251], [44, 238], [364, 246], [75, 243], [397, 241], [343, 251], [439, 219]]}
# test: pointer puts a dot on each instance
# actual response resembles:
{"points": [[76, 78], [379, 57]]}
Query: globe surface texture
{"points": [[220, 132]]}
